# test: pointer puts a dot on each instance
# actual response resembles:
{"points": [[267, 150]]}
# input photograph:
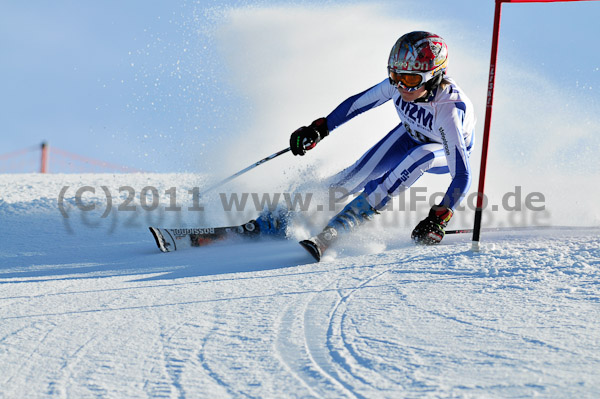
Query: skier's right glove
{"points": [[307, 137], [430, 230]]}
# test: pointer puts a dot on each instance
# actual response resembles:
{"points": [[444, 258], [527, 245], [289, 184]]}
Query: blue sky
{"points": [[149, 84]]}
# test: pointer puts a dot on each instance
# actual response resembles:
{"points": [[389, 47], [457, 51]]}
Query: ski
{"points": [[318, 244], [313, 248], [169, 240]]}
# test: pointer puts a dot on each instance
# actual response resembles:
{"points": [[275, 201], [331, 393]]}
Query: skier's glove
{"points": [[307, 137], [430, 230]]}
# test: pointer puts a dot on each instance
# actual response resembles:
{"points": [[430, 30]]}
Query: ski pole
{"points": [[497, 229], [464, 231], [241, 172], [484, 229], [524, 229], [493, 229]]}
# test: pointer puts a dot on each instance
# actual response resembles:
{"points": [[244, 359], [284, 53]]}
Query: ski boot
{"points": [[353, 215], [272, 223]]}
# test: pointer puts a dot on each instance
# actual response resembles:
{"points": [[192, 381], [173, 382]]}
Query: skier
{"points": [[435, 135]]}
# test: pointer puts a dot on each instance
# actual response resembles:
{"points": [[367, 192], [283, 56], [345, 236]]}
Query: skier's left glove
{"points": [[430, 230], [307, 137]]}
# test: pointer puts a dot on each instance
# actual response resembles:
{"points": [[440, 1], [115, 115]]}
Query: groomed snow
{"points": [[90, 308]]}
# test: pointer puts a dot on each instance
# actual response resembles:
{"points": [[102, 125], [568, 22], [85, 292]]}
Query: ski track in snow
{"points": [[93, 310]]}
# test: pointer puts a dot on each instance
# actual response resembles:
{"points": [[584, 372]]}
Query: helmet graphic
{"points": [[417, 58]]}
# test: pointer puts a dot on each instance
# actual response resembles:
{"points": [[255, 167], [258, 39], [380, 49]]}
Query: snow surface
{"points": [[90, 308]]}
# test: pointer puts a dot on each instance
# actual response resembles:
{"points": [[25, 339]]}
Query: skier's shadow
{"points": [[239, 257]]}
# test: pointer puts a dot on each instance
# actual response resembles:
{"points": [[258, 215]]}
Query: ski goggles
{"points": [[409, 81]]}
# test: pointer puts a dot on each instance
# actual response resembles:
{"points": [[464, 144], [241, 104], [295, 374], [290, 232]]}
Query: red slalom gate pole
{"points": [[486, 128], [488, 114]]}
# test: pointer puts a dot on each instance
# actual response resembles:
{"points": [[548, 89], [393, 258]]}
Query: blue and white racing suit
{"points": [[433, 136]]}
